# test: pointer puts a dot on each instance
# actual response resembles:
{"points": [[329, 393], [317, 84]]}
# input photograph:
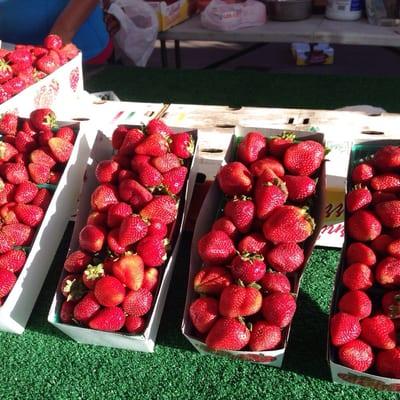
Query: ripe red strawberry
{"points": [[241, 212], [356, 355], [252, 148], [264, 336], [134, 325], [278, 309], [380, 244], [388, 363], [152, 250], [212, 280], [7, 151], [29, 214], [52, 42], [91, 238], [299, 187], [7, 282], [6, 243], [69, 51], [125, 174], [39, 173], [387, 272], [14, 86], [157, 229], [286, 257], [275, 282], [253, 243], [174, 179], [391, 304], [15, 173], [358, 252], [228, 334], [248, 268], [6, 192], [66, 133], [288, 224], [109, 291], [258, 167], [67, 311], [134, 193], [181, 144], [107, 171], [44, 136], [7, 214], [216, 247], [387, 158], [364, 226], [226, 225], [92, 274], [4, 95], [47, 64], [166, 162], [5, 71], [13, 260], [362, 173], [123, 161], [20, 234], [137, 302], [42, 199], [378, 331], [86, 308], [129, 269], [235, 179], [113, 242], [357, 303], [149, 176], [77, 261], [157, 126], [61, 149], [239, 301], [268, 196], [154, 145], [118, 136], [104, 196], [357, 199], [21, 54], [344, 328], [116, 214], [389, 213], [277, 145], [380, 197], [109, 319], [131, 139], [55, 177], [150, 279], [42, 119], [8, 124], [132, 229], [389, 182], [358, 276], [203, 313], [162, 207]]}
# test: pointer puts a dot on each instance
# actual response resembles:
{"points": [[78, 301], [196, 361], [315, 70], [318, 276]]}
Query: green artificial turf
{"points": [[45, 364]]}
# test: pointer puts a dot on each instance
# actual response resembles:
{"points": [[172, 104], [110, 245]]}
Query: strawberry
{"points": [[67, 311], [91, 238], [7, 151], [203, 313], [118, 136], [357, 199], [13, 260], [212, 280], [358, 252], [109, 319], [357, 303], [109, 291], [268, 195], [154, 145], [387, 272], [356, 355], [4, 95], [241, 212], [216, 247], [364, 226], [288, 224], [149, 176], [39, 173], [20, 55], [264, 336], [132, 229], [162, 207], [107, 171], [380, 197], [152, 250], [29, 214], [150, 279], [42, 119], [97, 218], [248, 268], [19, 234], [6, 192], [277, 145], [44, 136], [166, 162], [137, 302], [239, 301], [69, 51], [252, 148], [42, 199], [134, 193], [6, 243], [15, 173], [61, 149], [157, 229], [378, 331], [258, 167], [52, 42], [116, 214], [380, 244], [124, 174], [344, 328], [138, 161], [24, 143], [131, 139], [388, 363], [129, 269], [104, 196], [47, 63], [389, 182], [113, 242], [134, 325], [299, 188], [362, 173], [228, 334], [86, 308], [55, 177], [253, 243], [391, 304], [77, 261], [278, 309], [275, 282], [7, 214], [66, 133], [92, 274], [387, 158], [7, 282], [388, 213], [14, 86], [174, 179], [286, 257], [235, 179], [358, 276], [5, 71], [158, 127], [181, 144], [226, 225]]}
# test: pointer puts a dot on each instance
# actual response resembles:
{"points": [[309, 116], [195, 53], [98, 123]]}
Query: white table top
{"points": [[315, 29]]}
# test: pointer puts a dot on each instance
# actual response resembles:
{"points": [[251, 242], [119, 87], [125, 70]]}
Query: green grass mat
{"points": [[45, 364]]}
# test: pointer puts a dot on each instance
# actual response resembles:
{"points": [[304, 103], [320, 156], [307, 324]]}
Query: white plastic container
{"points": [[343, 10]]}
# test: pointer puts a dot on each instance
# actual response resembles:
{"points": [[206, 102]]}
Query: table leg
{"points": [[177, 54], [164, 55]]}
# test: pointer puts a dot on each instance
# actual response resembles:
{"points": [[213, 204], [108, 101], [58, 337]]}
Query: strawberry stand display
{"points": [[33, 76], [139, 181], [364, 327], [41, 169], [253, 237]]}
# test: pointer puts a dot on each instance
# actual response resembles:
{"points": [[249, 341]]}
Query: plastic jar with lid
{"points": [[344, 10]]}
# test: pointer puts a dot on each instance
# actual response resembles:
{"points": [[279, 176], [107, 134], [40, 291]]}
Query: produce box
{"points": [[368, 272], [16, 307], [145, 339], [210, 211], [171, 13]]}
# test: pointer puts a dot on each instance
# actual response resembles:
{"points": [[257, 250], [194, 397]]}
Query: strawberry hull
{"points": [[339, 372], [145, 341], [17, 307], [210, 211]]}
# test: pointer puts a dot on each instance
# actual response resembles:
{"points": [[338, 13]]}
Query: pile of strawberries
{"points": [[26, 64], [111, 279], [253, 255], [366, 327], [33, 154]]}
